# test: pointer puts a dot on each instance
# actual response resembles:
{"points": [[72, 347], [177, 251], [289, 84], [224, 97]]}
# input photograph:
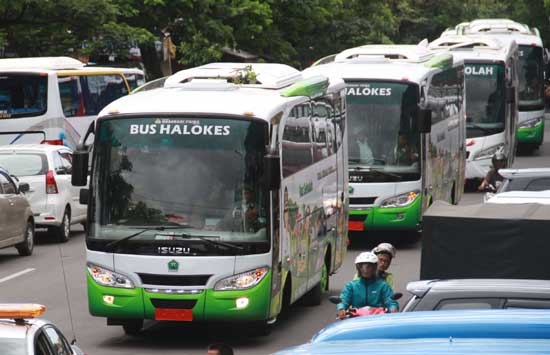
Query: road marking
{"points": [[17, 274]]}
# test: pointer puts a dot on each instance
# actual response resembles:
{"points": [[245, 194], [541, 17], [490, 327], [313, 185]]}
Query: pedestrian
{"points": [[219, 349]]}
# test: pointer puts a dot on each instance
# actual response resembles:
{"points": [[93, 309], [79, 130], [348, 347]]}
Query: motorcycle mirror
{"points": [[335, 299], [396, 296]]}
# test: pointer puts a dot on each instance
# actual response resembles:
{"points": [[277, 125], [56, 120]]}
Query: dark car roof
{"points": [[540, 288]]}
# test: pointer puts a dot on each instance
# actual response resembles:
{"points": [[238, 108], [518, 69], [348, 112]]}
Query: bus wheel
{"points": [[132, 327], [313, 297]]}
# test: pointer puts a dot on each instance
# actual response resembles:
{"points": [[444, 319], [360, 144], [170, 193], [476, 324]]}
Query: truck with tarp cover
{"points": [[509, 241]]}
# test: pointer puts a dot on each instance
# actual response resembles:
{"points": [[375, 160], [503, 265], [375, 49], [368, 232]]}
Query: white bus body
{"points": [[530, 130], [491, 75], [386, 85], [52, 99], [192, 154]]}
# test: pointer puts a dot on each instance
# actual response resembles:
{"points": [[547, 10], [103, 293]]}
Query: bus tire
{"points": [[314, 296], [132, 327]]}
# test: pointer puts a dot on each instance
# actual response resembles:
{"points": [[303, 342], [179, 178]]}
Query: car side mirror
{"points": [[80, 167], [510, 94], [272, 169], [24, 187], [83, 197], [425, 120]]}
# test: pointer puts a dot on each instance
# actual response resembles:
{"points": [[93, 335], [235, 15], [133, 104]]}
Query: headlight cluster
{"points": [[400, 200], [533, 122], [109, 278], [242, 281], [488, 153]]}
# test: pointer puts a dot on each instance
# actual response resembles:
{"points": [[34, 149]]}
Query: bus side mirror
{"points": [[510, 94], [272, 168], [425, 120], [79, 176]]}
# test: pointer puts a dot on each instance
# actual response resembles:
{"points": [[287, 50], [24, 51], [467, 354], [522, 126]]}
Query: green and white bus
{"points": [[406, 132], [220, 197], [491, 75], [530, 130]]}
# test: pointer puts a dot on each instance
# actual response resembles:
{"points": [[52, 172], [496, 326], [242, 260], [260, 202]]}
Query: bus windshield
{"points": [[201, 174], [485, 98], [23, 95], [531, 78], [383, 130]]}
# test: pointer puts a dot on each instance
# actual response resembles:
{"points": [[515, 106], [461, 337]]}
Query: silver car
{"points": [[16, 218]]}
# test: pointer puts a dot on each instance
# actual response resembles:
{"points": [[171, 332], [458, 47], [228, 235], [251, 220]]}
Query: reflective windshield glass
{"points": [[25, 164], [203, 174], [23, 95], [485, 99], [86, 95], [531, 77], [383, 131]]}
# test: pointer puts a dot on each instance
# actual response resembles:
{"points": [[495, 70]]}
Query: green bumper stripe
{"points": [[531, 135], [399, 218], [210, 306]]}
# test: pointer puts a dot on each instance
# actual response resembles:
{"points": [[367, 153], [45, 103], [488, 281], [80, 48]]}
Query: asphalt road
{"points": [[40, 278]]}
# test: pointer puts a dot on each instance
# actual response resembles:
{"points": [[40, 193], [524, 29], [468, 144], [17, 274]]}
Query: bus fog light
{"points": [[400, 216], [109, 299], [241, 302]]}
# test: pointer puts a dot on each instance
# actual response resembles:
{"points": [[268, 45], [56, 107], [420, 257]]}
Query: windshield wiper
{"points": [[471, 124], [112, 245], [210, 241], [381, 172]]}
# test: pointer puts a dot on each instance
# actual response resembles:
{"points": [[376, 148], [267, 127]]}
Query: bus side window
{"points": [[102, 90], [296, 147], [70, 93]]}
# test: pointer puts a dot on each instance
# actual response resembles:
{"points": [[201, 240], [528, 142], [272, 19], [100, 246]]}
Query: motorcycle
{"points": [[364, 311]]}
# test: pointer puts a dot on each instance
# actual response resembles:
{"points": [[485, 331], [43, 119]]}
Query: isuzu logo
{"points": [[173, 250]]}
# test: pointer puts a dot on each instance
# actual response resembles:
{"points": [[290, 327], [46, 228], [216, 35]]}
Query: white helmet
{"points": [[366, 257], [385, 248]]}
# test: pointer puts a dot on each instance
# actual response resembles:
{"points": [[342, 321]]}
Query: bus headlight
{"points": [[532, 123], [242, 281], [488, 153], [402, 200], [109, 278]]}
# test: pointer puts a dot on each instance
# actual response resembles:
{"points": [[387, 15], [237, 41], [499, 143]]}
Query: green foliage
{"points": [[296, 32]]}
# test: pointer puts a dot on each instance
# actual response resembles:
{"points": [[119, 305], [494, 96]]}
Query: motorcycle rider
{"points": [[385, 252], [368, 289], [493, 179]]}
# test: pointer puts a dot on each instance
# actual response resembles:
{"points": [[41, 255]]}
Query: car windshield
{"points": [[531, 77], [204, 174], [24, 164], [13, 346], [485, 99], [383, 130], [23, 95], [540, 183]]}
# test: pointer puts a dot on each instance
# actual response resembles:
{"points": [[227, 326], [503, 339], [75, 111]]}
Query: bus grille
{"points": [[362, 200], [174, 280], [173, 304]]}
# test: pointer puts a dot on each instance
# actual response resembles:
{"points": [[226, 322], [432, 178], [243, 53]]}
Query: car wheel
{"points": [[63, 231], [26, 247], [132, 327]]}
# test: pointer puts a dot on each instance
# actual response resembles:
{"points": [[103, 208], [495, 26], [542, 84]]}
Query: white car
{"points": [[534, 180], [516, 197], [47, 169]]}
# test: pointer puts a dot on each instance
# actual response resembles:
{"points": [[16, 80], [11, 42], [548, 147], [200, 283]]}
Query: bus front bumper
{"points": [[395, 218], [207, 305], [531, 135]]}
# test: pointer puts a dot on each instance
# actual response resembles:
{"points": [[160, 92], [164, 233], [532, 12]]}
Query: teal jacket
{"points": [[360, 293]]}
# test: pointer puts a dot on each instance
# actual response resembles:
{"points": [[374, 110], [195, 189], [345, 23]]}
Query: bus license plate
{"points": [[185, 315], [356, 226]]}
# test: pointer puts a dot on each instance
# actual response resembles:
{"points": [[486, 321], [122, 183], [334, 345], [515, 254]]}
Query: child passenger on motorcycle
{"points": [[385, 252], [368, 289]]}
